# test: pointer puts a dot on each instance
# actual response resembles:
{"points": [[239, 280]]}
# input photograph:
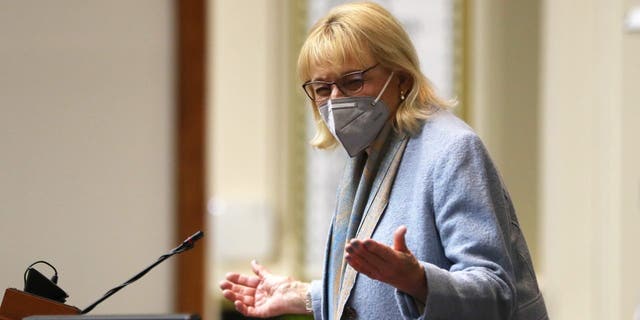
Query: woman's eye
{"points": [[352, 84], [322, 91]]}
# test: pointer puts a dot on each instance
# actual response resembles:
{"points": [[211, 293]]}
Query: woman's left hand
{"points": [[395, 265]]}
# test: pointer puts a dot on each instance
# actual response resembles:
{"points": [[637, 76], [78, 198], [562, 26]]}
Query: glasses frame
{"points": [[337, 83]]}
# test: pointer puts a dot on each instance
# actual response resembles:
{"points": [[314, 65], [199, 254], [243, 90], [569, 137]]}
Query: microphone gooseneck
{"points": [[184, 246]]}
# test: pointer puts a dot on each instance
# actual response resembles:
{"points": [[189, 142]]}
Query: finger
{"points": [[249, 281], [224, 284], [361, 266], [259, 269], [238, 289], [242, 308], [399, 242], [227, 294], [381, 251], [362, 260], [235, 297], [368, 250]]}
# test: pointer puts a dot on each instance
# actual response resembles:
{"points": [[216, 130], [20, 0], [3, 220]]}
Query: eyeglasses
{"points": [[349, 84]]}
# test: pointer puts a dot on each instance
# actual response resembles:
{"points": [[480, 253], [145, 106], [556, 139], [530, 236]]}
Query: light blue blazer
{"points": [[462, 228]]}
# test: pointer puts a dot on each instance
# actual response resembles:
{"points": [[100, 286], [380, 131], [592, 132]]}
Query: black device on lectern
{"points": [[36, 283]]}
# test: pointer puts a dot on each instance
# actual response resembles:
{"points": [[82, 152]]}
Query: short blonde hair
{"points": [[359, 31]]}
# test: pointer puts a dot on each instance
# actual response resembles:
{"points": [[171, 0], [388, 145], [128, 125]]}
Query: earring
{"points": [[402, 97]]}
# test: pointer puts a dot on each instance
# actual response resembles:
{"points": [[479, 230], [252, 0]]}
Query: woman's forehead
{"points": [[325, 70]]}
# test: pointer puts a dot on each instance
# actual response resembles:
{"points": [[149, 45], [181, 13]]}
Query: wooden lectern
{"points": [[18, 304]]}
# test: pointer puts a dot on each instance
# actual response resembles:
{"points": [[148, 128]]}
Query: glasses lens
{"points": [[318, 90], [351, 83]]}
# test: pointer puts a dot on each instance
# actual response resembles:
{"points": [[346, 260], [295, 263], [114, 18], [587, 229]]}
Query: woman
{"points": [[423, 227]]}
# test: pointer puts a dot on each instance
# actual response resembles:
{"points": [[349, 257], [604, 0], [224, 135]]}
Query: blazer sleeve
{"points": [[472, 222]]}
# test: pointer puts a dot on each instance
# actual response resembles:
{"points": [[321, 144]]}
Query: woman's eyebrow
{"points": [[346, 73]]}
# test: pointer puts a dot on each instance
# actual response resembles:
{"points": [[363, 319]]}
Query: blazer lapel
{"points": [[348, 195], [374, 209]]}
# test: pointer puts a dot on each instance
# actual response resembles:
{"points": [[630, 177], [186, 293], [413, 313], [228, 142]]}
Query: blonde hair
{"points": [[359, 31]]}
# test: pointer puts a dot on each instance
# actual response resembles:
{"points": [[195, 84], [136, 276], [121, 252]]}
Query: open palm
{"points": [[264, 294]]}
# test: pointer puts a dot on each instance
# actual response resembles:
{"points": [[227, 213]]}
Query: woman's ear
{"points": [[405, 81]]}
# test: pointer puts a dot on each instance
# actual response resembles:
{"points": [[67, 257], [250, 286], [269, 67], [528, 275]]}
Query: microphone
{"points": [[190, 242], [184, 246]]}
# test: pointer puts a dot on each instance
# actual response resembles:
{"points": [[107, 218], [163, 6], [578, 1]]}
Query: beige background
{"points": [[86, 126]]}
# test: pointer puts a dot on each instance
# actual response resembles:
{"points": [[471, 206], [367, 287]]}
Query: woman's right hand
{"points": [[264, 295]]}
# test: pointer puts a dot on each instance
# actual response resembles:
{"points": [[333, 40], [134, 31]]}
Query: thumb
{"points": [[398, 239], [259, 269]]}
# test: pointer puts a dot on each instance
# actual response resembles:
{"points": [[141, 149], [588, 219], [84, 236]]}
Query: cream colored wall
{"points": [[257, 140], [503, 98], [574, 189], [628, 221], [249, 133], [86, 133], [589, 161]]}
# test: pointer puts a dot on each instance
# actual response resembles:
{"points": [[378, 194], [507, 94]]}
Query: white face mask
{"points": [[356, 121]]}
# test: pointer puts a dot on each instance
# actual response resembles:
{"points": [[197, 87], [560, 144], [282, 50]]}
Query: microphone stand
{"points": [[186, 245]]}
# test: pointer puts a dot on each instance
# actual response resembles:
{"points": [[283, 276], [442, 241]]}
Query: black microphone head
{"points": [[189, 243], [197, 236]]}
